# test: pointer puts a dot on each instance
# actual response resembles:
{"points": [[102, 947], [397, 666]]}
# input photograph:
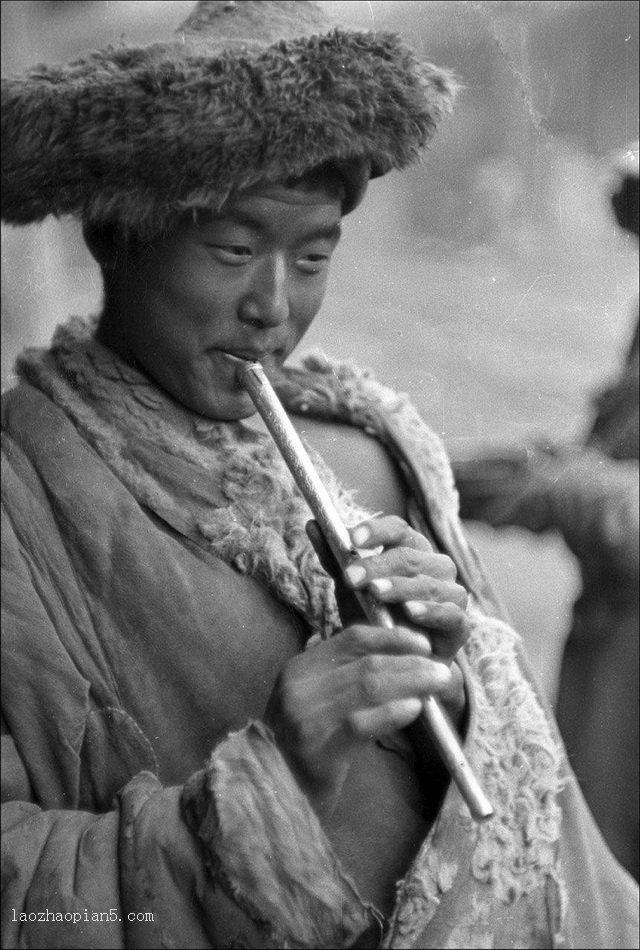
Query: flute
{"points": [[252, 377]]}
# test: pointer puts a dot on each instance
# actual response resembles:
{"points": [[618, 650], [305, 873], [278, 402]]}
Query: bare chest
{"points": [[360, 463]]}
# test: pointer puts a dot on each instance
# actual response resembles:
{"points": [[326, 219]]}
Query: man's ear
{"points": [[106, 243]]}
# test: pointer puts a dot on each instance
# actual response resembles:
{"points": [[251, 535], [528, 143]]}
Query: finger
{"points": [[376, 680], [453, 697], [388, 530], [403, 561], [361, 640], [373, 723], [394, 590], [448, 626], [380, 718]]}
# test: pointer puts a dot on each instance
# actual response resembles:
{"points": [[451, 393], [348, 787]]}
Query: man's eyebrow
{"points": [[331, 232]]}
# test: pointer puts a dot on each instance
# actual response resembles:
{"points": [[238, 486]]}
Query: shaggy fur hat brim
{"points": [[138, 135]]}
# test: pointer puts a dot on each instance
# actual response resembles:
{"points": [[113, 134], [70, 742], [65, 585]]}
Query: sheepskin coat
{"points": [[140, 594]]}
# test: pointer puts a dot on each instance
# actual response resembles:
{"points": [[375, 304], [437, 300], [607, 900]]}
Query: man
{"points": [[589, 494], [206, 744]]}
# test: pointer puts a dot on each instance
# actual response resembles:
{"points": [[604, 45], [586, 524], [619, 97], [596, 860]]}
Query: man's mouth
{"points": [[240, 357], [235, 359], [268, 357]]}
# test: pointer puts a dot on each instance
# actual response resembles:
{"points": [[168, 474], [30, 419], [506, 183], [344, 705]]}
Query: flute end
{"points": [[243, 365], [482, 812]]}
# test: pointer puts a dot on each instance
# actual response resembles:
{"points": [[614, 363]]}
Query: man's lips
{"points": [[236, 359]]}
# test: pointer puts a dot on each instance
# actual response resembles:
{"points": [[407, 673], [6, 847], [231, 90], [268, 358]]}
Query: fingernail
{"points": [[381, 586], [442, 673], [355, 574], [360, 536], [416, 609]]}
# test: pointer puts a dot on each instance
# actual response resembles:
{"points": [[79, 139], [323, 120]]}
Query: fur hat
{"points": [[245, 92]]}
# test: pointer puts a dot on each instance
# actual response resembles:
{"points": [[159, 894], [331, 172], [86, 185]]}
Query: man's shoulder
{"points": [[44, 456], [29, 425], [32, 421], [341, 385], [361, 463]]}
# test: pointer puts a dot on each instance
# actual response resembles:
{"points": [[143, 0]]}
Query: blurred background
{"points": [[491, 283]]}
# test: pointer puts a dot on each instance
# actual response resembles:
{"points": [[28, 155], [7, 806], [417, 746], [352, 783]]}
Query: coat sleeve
{"points": [[207, 865], [132, 877], [235, 858]]}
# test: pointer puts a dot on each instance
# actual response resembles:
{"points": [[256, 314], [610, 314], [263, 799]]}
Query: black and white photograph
{"points": [[320, 508]]}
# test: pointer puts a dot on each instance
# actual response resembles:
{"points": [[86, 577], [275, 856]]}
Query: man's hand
{"points": [[420, 584], [367, 682]]}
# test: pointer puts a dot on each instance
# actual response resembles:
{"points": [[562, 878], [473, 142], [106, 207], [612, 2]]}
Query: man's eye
{"points": [[313, 263], [231, 253]]}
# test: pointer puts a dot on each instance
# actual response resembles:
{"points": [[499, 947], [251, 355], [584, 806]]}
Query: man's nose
{"points": [[266, 304]]}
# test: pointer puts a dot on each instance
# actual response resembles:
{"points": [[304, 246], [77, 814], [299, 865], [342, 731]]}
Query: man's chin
{"points": [[233, 408]]}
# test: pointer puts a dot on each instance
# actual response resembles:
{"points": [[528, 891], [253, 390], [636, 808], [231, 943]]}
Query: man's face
{"points": [[247, 281]]}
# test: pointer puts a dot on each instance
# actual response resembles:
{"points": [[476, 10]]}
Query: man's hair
{"points": [[106, 242], [325, 178]]}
